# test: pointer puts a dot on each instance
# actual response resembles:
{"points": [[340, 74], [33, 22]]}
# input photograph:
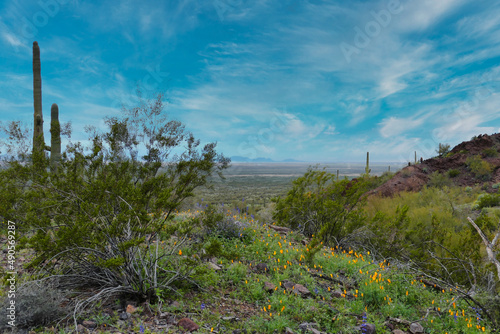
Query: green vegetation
{"points": [[345, 288], [490, 152], [443, 149], [453, 173], [98, 219], [486, 200], [479, 167], [319, 205], [439, 180]]}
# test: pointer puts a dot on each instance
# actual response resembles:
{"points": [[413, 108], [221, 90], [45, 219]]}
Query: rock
{"points": [[89, 324], [188, 325], [269, 287], [306, 325], [337, 293], [81, 329], [175, 304], [314, 331], [416, 328], [130, 309], [398, 331], [280, 229], [124, 316], [288, 330], [213, 266], [368, 329], [168, 317], [287, 284], [262, 268], [302, 290]]}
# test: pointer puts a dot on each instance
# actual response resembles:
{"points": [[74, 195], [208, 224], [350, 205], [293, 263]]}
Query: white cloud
{"points": [[468, 119], [330, 130], [14, 41], [393, 126], [421, 15]]}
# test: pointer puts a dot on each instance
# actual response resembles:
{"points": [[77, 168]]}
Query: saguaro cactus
{"points": [[367, 168], [38, 139], [55, 137]]}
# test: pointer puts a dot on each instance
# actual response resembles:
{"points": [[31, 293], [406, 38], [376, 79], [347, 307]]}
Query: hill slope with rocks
{"points": [[454, 168]]}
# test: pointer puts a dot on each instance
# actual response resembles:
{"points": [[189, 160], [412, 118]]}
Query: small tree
{"points": [[443, 149], [319, 205], [96, 221]]}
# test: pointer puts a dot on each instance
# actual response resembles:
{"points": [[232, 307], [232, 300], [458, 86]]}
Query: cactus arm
{"points": [[38, 139], [55, 137]]}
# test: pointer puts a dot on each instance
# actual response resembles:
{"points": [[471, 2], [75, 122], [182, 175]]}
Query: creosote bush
{"points": [[319, 206], [96, 222]]}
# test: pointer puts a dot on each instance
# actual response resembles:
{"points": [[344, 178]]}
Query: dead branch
{"points": [[490, 246]]}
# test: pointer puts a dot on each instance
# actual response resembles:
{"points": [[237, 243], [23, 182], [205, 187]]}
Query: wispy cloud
{"points": [[269, 78]]}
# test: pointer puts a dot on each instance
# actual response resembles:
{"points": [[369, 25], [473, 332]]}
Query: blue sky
{"points": [[304, 79]]}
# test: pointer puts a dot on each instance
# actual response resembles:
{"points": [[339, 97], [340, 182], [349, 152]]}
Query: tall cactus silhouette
{"points": [[39, 147], [55, 137], [367, 168], [38, 139]]}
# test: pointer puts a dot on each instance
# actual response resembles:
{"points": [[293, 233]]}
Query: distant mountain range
{"points": [[237, 158]]}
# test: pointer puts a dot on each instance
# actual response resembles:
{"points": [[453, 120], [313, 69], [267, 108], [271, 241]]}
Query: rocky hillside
{"points": [[456, 167]]}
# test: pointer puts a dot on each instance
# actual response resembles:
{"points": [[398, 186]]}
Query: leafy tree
{"points": [[320, 206], [443, 149], [96, 222]]}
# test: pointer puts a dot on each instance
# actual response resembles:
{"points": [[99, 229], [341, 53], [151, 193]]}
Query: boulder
{"points": [[269, 287], [188, 325], [416, 328], [302, 290]]}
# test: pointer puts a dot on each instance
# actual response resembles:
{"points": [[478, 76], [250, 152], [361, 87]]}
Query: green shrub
{"points": [[218, 224], [319, 205], [101, 214], [490, 152], [486, 201], [453, 173], [443, 149], [480, 168], [439, 180], [430, 229], [496, 185]]}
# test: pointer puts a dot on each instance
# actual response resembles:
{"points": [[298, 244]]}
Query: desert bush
{"points": [[490, 152], [319, 205], [486, 200], [439, 180], [429, 229], [216, 223], [97, 219], [37, 304], [443, 149], [480, 168], [453, 173], [406, 173]]}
